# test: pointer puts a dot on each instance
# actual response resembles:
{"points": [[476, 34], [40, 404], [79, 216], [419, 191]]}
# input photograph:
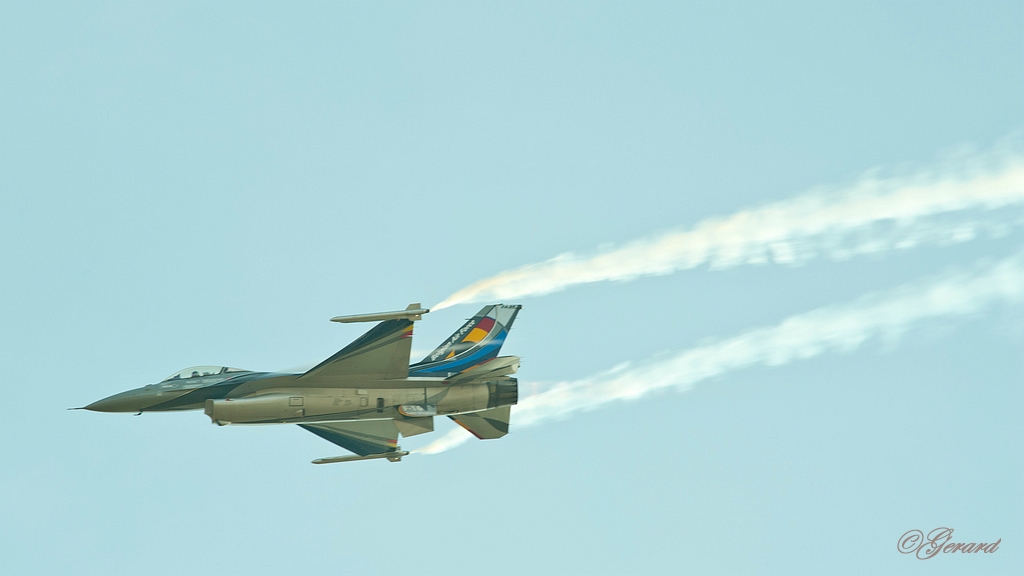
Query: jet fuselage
{"points": [[272, 398], [367, 394]]}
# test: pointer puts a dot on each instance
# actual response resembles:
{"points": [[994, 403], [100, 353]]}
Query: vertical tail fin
{"points": [[477, 341]]}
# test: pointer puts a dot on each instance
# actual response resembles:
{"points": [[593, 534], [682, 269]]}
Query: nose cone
{"points": [[130, 401]]}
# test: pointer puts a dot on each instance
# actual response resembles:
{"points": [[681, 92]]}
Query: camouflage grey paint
{"points": [[362, 397]]}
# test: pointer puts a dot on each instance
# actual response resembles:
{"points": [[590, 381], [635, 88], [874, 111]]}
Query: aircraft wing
{"points": [[381, 353], [364, 437]]}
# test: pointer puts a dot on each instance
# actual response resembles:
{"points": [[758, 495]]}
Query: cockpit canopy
{"points": [[197, 371]]}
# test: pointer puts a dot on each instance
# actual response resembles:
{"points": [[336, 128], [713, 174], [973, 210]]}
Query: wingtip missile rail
{"points": [[412, 312], [391, 456]]}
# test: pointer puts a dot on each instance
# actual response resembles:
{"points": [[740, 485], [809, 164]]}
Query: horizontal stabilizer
{"points": [[486, 424], [500, 366]]}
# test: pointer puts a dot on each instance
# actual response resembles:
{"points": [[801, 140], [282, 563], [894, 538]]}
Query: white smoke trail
{"points": [[834, 328], [871, 215]]}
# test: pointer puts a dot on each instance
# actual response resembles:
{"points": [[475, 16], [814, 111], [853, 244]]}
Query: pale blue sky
{"points": [[190, 184]]}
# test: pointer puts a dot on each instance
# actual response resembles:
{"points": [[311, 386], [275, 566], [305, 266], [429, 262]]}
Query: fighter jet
{"points": [[364, 396]]}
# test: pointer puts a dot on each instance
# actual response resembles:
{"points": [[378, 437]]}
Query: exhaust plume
{"points": [[834, 328], [871, 215]]}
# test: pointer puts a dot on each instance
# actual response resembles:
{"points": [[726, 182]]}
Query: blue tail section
{"points": [[477, 341]]}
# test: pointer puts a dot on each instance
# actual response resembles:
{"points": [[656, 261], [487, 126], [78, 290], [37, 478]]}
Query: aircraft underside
{"points": [[287, 406]]}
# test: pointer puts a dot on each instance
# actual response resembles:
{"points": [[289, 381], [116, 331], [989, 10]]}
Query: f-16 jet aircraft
{"points": [[364, 396]]}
